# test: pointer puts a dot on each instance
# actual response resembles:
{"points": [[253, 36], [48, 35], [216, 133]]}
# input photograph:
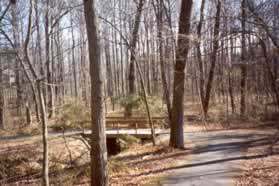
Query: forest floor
{"points": [[263, 170], [213, 152]]}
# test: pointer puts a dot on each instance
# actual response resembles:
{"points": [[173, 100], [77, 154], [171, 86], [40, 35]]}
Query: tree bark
{"points": [[243, 81], [48, 63], [2, 103], [213, 58], [17, 71], [74, 66], [98, 153], [271, 76], [160, 9], [41, 99], [177, 133], [132, 46], [199, 54]]}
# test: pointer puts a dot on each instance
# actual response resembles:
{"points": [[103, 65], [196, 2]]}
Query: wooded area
{"points": [[67, 63]]}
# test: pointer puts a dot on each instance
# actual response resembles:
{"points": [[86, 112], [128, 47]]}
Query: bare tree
{"points": [[177, 133], [213, 57], [133, 47], [243, 83], [98, 153]]}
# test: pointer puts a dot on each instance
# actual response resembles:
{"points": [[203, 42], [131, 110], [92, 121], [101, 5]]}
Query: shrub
{"points": [[29, 130], [126, 141], [137, 103], [73, 115], [155, 104], [129, 103], [133, 101]]}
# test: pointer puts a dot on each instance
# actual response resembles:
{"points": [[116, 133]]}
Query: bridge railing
{"points": [[133, 122]]}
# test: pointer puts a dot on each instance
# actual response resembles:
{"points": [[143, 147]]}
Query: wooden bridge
{"points": [[135, 126]]}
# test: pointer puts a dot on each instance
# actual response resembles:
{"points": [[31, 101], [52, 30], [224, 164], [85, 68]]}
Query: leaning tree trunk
{"points": [[199, 54], [98, 153], [133, 47], [176, 136], [131, 75], [213, 58]]}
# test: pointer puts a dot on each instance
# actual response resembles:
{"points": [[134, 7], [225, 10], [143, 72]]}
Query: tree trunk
{"points": [[45, 135], [99, 175], [166, 95], [41, 99], [48, 63], [271, 76], [39, 45], [108, 70], [213, 58], [2, 103], [133, 47], [243, 81], [17, 71], [177, 133], [74, 66], [231, 84], [199, 54]]}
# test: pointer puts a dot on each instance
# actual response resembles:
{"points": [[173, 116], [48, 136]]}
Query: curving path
{"points": [[216, 158]]}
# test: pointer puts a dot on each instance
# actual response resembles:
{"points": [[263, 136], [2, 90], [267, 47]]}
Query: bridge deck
{"points": [[139, 133]]}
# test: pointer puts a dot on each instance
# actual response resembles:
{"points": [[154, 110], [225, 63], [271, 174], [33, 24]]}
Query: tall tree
{"points": [[74, 63], [199, 54], [213, 57], [2, 103], [38, 81], [48, 62], [17, 66], [98, 153], [243, 81], [177, 133], [133, 44], [159, 10]]}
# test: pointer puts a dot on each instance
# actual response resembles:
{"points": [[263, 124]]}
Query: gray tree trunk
{"points": [[177, 133], [243, 81], [213, 58], [17, 71], [133, 47], [199, 54], [99, 176], [41, 98], [74, 65], [2, 126], [48, 63], [160, 10]]}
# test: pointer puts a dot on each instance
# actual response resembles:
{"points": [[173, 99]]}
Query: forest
{"points": [[139, 92]]}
